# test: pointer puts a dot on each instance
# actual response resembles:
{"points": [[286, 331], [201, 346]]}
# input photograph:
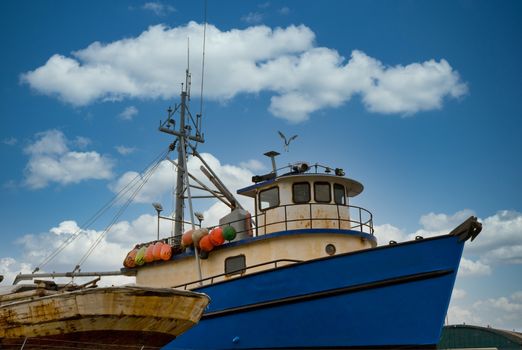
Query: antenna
{"points": [[198, 116], [188, 82]]}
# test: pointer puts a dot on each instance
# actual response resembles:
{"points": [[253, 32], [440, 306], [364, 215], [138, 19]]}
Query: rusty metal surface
{"points": [[116, 309], [96, 340]]}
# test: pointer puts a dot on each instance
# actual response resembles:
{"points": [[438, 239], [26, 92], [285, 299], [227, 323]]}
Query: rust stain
{"points": [[118, 308]]}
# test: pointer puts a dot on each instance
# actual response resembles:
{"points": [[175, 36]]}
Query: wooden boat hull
{"points": [[100, 317], [98, 340]]}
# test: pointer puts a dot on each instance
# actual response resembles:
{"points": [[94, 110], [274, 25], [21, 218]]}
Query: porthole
{"points": [[330, 249]]}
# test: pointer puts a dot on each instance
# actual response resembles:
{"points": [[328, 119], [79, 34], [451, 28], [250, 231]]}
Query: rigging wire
{"points": [[116, 198], [122, 209]]}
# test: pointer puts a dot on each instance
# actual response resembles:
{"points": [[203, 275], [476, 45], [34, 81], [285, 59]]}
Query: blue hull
{"points": [[391, 296]]}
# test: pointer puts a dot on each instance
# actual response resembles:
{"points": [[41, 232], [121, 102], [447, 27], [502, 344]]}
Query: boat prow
{"points": [[96, 318]]}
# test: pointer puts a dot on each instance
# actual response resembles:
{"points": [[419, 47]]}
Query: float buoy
{"points": [[149, 256], [216, 236], [186, 239], [129, 259], [140, 255], [156, 251], [198, 234], [166, 252], [229, 233], [205, 244]]}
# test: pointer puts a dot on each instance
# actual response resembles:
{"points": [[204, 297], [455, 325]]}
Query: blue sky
{"points": [[418, 100]]}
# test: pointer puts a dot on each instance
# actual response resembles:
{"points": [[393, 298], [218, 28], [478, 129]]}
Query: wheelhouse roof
{"points": [[353, 187]]}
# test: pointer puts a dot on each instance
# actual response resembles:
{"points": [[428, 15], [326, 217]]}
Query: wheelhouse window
{"points": [[322, 192], [269, 198], [339, 194], [301, 192]]}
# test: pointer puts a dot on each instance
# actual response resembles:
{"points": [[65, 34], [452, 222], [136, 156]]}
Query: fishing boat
{"points": [[302, 270], [45, 315]]}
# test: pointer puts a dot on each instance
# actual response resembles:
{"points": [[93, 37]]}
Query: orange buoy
{"points": [[205, 244], [129, 259], [156, 251], [216, 236], [140, 255], [186, 239], [198, 234], [166, 252], [149, 257]]}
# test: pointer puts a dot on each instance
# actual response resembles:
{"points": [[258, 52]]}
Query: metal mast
{"points": [[183, 136], [180, 182]]}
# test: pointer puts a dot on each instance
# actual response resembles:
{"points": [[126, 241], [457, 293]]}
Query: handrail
{"points": [[363, 222], [243, 269]]}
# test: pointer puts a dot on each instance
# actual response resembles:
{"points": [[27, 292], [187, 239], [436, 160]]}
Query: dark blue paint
{"points": [[403, 314]]}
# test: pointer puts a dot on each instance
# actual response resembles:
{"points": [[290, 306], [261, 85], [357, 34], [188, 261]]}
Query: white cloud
{"points": [[159, 8], [214, 213], [458, 294], [68, 226], [500, 241], [252, 18], [517, 296], [303, 78], [128, 113], [473, 268], [50, 160], [386, 233], [123, 235], [9, 268], [253, 165], [163, 181], [108, 255], [460, 315], [10, 141], [125, 150], [443, 222], [502, 312], [82, 142], [504, 304], [48, 142], [413, 88]]}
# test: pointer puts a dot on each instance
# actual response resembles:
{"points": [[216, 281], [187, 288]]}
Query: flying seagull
{"points": [[287, 142]]}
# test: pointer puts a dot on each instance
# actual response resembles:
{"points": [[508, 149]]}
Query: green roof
{"points": [[465, 336]]}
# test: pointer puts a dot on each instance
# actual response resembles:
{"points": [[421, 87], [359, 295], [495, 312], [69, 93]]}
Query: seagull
{"points": [[287, 142]]}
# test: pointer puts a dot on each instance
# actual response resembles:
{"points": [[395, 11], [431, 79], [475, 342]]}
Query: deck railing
{"points": [[240, 271], [356, 218], [349, 217]]}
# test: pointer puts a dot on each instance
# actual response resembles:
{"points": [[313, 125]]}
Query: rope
{"points": [[122, 209], [101, 211]]}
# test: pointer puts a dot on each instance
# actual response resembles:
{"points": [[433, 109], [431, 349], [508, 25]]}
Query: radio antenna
{"points": [[198, 117]]}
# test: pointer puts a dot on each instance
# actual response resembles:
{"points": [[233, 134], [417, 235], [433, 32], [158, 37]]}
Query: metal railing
{"points": [[239, 271], [362, 222]]}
